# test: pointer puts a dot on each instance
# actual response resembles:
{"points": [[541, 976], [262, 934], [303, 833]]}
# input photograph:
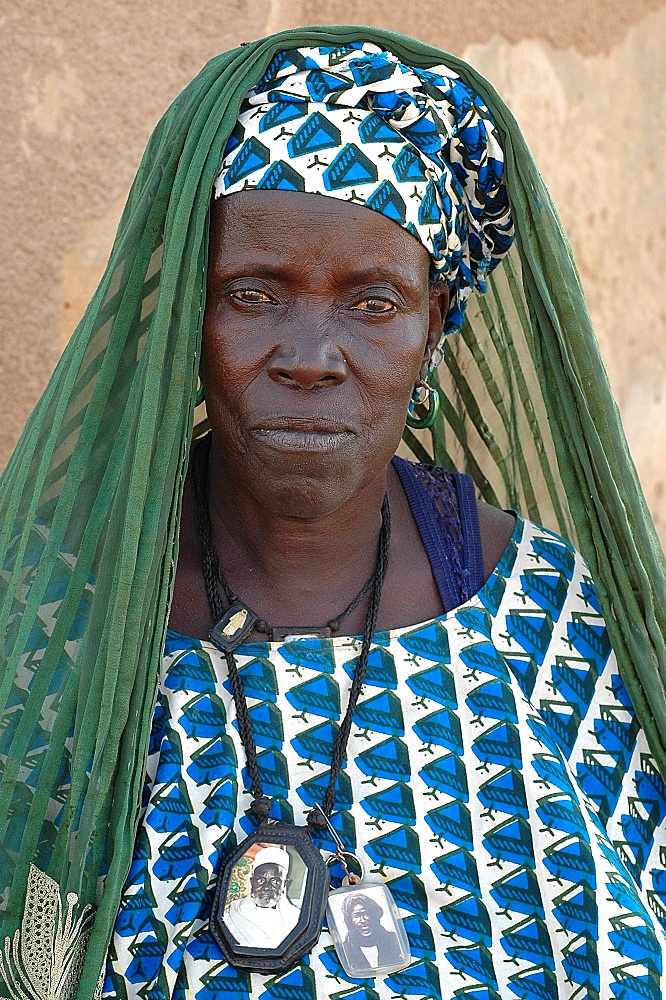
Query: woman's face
{"points": [[318, 324]]}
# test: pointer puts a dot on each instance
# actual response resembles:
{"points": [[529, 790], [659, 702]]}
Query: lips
{"points": [[303, 424], [303, 433]]}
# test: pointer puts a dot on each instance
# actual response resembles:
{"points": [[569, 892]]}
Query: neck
{"points": [[294, 570]]}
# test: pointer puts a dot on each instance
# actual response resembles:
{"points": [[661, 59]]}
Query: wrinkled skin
{"points": [[319, 321], [309, 359], [267, 885]]}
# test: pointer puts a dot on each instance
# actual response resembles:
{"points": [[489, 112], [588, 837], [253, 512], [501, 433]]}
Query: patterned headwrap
{"points": [[417, 145]]}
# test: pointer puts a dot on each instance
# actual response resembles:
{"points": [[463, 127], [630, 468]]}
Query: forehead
{"points": [[284, 223], [268, 870]]}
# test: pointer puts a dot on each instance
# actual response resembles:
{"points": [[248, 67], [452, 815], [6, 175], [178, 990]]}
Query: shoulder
{"points": [[495, 528], [456, 490], [240, 905]]}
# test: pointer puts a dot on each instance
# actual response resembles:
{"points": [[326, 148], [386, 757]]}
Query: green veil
{"points": [[90, 500]]}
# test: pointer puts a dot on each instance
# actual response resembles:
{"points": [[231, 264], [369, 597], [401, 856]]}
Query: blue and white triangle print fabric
{"points": [[418, 146], [496, 778]]}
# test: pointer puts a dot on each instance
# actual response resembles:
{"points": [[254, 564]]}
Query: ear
{"points": [[438, 307]]}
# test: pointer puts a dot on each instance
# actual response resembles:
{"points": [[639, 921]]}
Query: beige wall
{"points": [[83, 83]]}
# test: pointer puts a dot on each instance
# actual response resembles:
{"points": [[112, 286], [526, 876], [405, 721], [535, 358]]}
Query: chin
{"points": [[303, 496], [309, 484]]}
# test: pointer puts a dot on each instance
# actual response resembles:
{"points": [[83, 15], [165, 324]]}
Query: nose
{"points": [[307, 359]]}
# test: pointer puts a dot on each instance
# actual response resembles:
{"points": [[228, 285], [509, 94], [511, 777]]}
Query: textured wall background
{"points": [[83, 82]]}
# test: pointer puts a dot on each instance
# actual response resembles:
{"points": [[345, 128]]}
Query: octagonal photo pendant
{"points": [[270, 899]]}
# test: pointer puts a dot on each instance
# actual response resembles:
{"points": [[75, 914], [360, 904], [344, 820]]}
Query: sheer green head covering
{"points": [[90, 501]]}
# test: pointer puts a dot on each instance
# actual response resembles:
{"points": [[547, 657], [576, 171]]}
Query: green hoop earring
{"points": [[423, 393], [199, 396]]}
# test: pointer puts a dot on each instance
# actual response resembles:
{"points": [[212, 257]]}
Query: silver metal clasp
{"points": [[341, 855]]}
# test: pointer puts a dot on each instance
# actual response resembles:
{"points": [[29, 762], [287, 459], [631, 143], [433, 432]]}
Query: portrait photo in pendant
{"points": [[270, 899], [367, 930], [265, 895]]}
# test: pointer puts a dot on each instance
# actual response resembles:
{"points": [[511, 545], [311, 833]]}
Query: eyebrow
{"points": [[278, 272], [233, 268], [392, 272]]}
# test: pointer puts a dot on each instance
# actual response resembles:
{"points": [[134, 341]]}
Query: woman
{"points": [[502, 828]]}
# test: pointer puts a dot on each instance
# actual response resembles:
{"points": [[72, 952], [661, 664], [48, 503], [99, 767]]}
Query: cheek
{"points": [[385, 411], [395, 370], [228, 365]]}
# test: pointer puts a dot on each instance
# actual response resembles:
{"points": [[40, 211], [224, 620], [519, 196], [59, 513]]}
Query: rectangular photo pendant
{"points": [[367, 930]]}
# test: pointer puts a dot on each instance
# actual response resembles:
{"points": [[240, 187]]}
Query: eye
{"points": [[249, 296], [376, 306]]}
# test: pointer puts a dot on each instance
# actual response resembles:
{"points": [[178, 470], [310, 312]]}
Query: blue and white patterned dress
{"points": [[496, 777]]}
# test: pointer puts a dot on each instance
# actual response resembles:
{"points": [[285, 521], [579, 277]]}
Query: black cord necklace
{"points": [[263, 929], [243, 621], [235, 622]]}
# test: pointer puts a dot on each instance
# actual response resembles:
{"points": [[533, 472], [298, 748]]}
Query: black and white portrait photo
{"points": [[270, 882], [367, 931]]}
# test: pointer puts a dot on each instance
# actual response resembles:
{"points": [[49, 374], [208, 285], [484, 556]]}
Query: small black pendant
{"points": [[236, 622], [270, 899], [279, 634]]}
